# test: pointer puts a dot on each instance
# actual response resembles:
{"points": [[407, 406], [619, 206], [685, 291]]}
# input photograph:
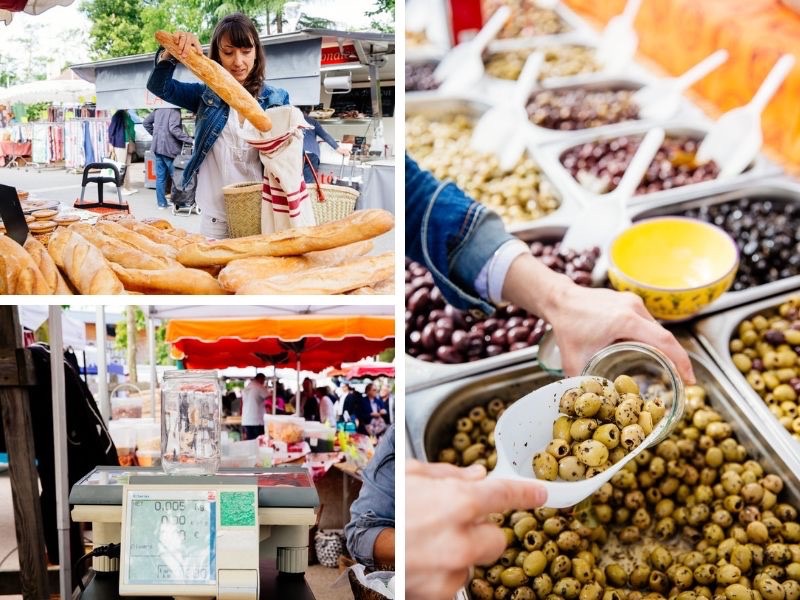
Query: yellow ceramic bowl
{"points": [[677, 265]]}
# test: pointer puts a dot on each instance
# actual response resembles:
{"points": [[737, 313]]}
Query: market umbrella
{"points": [[370, 369], [32, 7], [54, 91]]}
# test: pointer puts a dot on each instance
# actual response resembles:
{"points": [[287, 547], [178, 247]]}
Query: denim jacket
{"points": [[450, 234], [210, 110], [373, 510]]}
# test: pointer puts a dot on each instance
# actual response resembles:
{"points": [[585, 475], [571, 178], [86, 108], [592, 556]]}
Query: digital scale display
{"points": [[172, 538]]}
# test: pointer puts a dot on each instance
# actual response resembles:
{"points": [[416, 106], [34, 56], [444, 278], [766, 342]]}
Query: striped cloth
{"points": [[286, 203]]}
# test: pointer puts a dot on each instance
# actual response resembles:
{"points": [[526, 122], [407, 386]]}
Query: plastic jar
{"points": [[190, 422], [652, 370]]}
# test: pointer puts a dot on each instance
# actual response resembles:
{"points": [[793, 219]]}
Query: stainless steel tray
{"points": [[780, 188], [433, 106], [715, 333], [548, 156]]}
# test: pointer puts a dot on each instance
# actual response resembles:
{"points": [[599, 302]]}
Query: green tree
{"points": [[306, 22], [140, 324], [385, 10], [116, 27], [8, 71]]}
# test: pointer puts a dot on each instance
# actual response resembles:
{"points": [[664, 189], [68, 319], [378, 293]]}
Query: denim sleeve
{"points": [[451, 234], [162, 84], [327, 137], [373, 510]]}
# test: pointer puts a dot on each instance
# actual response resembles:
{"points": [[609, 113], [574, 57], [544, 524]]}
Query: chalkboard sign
{"points": [[359, 99]]}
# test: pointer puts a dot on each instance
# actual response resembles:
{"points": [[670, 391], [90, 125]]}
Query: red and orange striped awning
{"points": [[319, 341]]}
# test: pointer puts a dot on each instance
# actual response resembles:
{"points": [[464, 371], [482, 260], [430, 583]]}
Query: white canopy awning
{"points": [[34, 7], [55, 91], [74, 331]]}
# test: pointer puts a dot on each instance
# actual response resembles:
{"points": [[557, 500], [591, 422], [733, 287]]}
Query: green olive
{"points": [[513, 577], [625, 384], [545, 466], [582, 429], [480, 589], [571, 469], [616, 575], [535, 563], [592, 453]]}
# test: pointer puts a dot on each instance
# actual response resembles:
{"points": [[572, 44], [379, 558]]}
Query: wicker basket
{"points": [[360, 592], [339, 201], [243, 208]]}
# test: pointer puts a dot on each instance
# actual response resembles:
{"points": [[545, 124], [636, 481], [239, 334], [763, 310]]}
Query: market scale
{"points": [[202, 536]]}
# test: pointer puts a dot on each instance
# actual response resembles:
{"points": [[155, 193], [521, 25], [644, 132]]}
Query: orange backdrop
{"points": [[679, 33]]}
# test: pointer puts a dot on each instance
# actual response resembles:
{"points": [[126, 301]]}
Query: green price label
{"points": [[237, 509]]}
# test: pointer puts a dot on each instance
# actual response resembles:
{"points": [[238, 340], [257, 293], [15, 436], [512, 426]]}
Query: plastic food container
{"points": [[190, 422], [148, 436], [126, 408], [284, 428], [123, 433], [148, 458]]}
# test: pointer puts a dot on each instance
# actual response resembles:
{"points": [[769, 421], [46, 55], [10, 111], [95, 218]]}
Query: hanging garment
{"points": [[286, 203]]}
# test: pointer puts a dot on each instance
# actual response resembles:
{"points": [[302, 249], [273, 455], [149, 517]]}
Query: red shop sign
{"points": [[331, 55]]}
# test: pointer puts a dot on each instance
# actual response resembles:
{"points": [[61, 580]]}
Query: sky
{"points": [[60, 22]]}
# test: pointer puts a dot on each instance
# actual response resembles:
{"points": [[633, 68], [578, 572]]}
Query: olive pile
{"points": [[694, 517], [438, 332], [766, 352], [526, 19], [559, 61], [766, 231], [419, 77], [600, 422], [580, 108], [600, 165], [442, 147]]}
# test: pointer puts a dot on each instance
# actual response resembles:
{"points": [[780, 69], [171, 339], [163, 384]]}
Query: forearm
{"points": [[163, 84], [536, 288], [383, 550]]}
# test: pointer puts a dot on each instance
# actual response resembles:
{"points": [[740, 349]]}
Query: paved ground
{"points": [[65, 187]]}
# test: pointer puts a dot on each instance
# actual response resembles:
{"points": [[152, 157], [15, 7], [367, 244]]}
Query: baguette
{"points": [[154, 234], [361, 225], [239, 273], [137, 240], [83, 264], [382, 287], [340, 279], [52, 276], [218, 79], [19, 273], [168, 281], [122, 253]]}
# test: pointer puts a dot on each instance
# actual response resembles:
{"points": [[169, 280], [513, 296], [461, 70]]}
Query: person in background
{"points": [[387, 398], [280, 400], [327, 414], [223, 156], [378, 411], [164, 124], [253, 407], [309, 401], [370, 532], [122, 137], [311, 145], [356, 408]]}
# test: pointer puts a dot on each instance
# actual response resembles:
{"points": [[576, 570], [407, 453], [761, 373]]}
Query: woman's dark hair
{"points": [[241, 33]]}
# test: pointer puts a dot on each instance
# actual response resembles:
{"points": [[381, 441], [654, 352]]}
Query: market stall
{"points": [[581, 124]]}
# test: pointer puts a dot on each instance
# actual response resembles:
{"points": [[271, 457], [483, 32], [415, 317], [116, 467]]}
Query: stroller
{"points": [[182, 198]]}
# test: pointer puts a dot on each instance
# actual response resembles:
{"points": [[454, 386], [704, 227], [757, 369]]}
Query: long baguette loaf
{"points": [[137, 240], [340, 279], [121, 253], [168, 281], [361, 225], [48, 268], [218, 79], [159, 236], [239, 273], [19, 274], [382, 287], [83, 264]]}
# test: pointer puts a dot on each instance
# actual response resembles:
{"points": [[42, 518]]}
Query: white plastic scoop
{"points": [[501, 129], [619, 40], [662, 99], [735, 139], [463, 65], [526, 427]]}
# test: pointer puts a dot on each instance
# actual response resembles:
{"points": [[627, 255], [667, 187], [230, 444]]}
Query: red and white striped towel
{"points": [[285, 198]]}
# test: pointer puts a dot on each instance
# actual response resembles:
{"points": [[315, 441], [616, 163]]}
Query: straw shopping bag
{"points": [[360, 591], [243, 208], [330, 202]]}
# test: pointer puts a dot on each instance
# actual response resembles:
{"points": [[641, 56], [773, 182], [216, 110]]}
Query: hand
{"points": [[587, 319], [186, 41], [447, 530], [343, 151]]}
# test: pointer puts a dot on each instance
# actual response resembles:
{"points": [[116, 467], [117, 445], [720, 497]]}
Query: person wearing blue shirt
{"points": [[370, 532], [221, 155], [477, 264], [311, 145]]}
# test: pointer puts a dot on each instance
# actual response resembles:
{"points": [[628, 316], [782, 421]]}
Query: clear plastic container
{"points": [[148, 458], [123, 434], [124, 407], [148, 435], [190, 422], [653, 371]]}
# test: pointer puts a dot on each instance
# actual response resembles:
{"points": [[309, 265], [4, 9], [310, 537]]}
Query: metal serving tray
{"points": [[434, 107], [548, 156], [715, 334], [780, 189]]}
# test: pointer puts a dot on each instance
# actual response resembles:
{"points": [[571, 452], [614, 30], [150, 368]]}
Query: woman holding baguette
{"points": [[221, 154]]}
